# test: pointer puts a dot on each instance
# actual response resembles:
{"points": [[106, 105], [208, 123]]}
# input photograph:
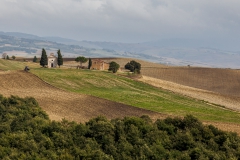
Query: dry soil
{"points": [[61, 104]]}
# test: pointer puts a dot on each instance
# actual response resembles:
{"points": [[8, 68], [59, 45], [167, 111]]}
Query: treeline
{"points": [[27, 133]]}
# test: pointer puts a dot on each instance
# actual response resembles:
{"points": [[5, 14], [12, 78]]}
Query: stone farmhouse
{"points": [[52, 61], [99, 64]]}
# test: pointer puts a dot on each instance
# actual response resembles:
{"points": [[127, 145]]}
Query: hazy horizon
{"points": [[213, 22]]}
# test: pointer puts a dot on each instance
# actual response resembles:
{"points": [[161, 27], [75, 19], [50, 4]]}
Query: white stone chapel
{"points": [[52, 61]]}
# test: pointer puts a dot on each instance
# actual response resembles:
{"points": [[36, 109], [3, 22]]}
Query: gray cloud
{"points": [[125, 20]]}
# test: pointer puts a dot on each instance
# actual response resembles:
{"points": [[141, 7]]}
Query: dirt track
{"points": [[62, 104]]}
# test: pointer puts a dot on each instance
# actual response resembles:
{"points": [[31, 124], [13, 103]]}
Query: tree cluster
{"points": [[4, 55], [27, 133], [133, 66]]}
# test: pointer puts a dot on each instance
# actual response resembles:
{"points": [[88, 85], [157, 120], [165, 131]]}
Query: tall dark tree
{"points": [[133, 66], [60, 59], [89, 63], [44, 59], [35, 59], [8, 57], [81, 59], [113, 66]]}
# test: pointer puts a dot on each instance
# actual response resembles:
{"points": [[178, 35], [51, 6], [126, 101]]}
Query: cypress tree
{"points": [[43, 60], [89, 63], [60, 59], [35, 59]]}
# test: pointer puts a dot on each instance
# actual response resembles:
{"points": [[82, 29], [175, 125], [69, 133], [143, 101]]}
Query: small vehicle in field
{"points": [[26, 68]]}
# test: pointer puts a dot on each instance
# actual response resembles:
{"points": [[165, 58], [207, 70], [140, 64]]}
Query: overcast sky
{"points": [[123, 20]]}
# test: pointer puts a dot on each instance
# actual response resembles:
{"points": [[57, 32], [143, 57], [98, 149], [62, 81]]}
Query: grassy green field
{"points": [[6, 65], [10, 65], [125, 90]]}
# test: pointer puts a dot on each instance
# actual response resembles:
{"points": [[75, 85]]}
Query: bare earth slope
{"points": [[62, 104]]}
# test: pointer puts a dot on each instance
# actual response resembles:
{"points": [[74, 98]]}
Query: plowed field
{"points": [[223, 81], [62, 104]]}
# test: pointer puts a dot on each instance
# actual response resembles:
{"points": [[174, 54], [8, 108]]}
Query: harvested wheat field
{"points": [[121, 61], [61, 104]]}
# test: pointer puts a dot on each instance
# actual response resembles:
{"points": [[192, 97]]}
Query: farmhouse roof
{"points": [[98, 60], [51, 55]]}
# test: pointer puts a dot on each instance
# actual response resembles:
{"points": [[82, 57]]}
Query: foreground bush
{"points": [[27, 133]]}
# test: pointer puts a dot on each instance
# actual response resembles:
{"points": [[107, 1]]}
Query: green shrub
{"points": [[26, 132]]}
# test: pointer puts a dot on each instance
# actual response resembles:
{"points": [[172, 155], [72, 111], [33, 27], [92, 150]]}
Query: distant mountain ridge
{"points": [[169, 51]]}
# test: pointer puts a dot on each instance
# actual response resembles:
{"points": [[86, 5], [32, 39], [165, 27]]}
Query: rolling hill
{"points": [[82, 94], [61, 104]]}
